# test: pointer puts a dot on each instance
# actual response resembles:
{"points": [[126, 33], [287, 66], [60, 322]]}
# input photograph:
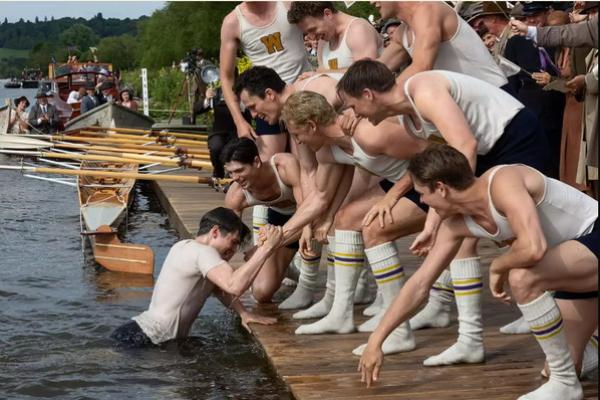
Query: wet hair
{"points": [[242, 150], [366, 74], [305, 106], [226, 220], [442, 163], [257, 80], [302, 9]]}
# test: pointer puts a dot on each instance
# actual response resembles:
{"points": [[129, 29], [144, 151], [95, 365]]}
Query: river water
{"points": [[57, 309]]}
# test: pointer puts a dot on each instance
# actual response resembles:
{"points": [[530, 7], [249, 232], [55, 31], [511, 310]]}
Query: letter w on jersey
{"points": [[272, 42]]}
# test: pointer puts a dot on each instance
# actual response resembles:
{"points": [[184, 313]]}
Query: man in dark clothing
{"points": [[90, 100], [547, 105], [43, 117]]}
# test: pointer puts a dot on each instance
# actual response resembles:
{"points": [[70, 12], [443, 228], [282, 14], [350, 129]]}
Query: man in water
{"points": [[193, 270]]}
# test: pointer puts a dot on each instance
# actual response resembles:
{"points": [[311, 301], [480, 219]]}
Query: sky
{"points": [[28, 10]]}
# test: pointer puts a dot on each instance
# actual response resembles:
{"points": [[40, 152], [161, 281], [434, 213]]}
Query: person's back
{"points": [[180, 291]]}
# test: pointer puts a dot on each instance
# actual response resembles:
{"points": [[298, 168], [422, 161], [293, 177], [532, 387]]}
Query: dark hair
{"points": [[442, 163], [242, 150], [482, 30], [302, 9], [366, 74], [257, 80], [226, 220]]}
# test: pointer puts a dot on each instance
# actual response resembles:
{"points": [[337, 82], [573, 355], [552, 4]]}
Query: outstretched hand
{"points": [[370, 364], [249, 317]]}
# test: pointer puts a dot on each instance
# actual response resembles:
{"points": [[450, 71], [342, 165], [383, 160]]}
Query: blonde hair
{"points": [[305, 106]]}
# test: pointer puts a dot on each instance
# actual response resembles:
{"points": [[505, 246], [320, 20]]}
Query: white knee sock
{"points": [[307, 282], [517, 327], [466, 279], [323, 306], [436, 313], [349, 261], [375, 306], [389, 276], [589, 363], [259, 219], [365, 287], [546, 323]]}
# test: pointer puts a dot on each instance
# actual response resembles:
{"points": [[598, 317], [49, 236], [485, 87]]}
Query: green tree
{"points": [[119, 50], [79, 36], [359, 9], [180, 26]]}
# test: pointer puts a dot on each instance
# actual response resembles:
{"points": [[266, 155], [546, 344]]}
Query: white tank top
{"points": [[342, 56], [278, 45], [565, 213], [488, 109], [464, 53], [284, 204], [381, 165]]}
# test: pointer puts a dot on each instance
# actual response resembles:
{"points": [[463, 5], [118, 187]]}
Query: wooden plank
{"points": [[323, 367]]}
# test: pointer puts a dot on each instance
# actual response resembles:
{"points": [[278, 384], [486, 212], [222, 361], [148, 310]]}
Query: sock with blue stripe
{"points": [[467, 283], [545, 322], [307, 281], [389, 276], [259, 219], [436, 313], [323, 306], [349, 260]]}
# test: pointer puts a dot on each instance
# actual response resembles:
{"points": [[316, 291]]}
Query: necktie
{"points": [[44, 109], [546, 63]]}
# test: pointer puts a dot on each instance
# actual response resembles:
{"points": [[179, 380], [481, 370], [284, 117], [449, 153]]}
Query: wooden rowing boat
{"points": [[110, 115], [16, 142], [103, 204]]}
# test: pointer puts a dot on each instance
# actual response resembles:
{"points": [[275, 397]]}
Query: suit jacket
{"points": [[88, 103], [582, 34], [44, 126]]}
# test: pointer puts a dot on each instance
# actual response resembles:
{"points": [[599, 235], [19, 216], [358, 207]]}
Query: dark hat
{"points": [[20, 99], [588, 5], [475, 9], [41, 93], [517, 11], [534, 7], [388, 23], [106, 85], [90, 85]]}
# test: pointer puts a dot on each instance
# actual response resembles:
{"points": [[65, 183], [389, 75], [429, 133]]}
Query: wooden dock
{"points": [[323, 367]]}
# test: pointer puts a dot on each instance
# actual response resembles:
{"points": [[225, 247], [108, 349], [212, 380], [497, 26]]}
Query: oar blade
{"points": [[114, 255]]}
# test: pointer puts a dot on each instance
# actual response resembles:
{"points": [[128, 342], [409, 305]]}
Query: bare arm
{"points": [[235, 199], [236, 282], [227, 55], [394, 56], [428, 34]]}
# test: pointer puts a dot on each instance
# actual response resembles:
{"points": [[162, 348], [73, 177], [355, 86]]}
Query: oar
{"points": [[119, 158], [17, 142], [152, 132], [135, 138], [95, 148], [122, 175]]}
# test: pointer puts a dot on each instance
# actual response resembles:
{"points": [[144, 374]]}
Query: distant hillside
{"points": [[25, 35], [6, 54]]}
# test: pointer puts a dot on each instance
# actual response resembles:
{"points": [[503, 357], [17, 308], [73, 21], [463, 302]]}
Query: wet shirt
{"points": [[180, 291]]}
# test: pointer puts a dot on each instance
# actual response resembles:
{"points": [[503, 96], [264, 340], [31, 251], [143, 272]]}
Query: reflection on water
{"points": [[58, 308]]}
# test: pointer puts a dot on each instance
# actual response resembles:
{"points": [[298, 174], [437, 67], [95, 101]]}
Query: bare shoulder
{"points": [[230, 27], [371, 138], [288, 167], [235, 198], [512, 184]]}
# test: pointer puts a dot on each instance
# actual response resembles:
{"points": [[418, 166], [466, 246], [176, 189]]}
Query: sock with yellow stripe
{"points": [[389, 276], [467, 283], [349, 260], [545, 322], [323, 306], [436, 313], [259, 219], [307, 281]]}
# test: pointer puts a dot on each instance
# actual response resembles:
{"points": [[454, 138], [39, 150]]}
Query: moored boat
{"points": [[110, 115], [12, 84]]}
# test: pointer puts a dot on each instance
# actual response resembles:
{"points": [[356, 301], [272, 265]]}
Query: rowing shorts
{"points": [[411, 195], [279, 219], [592, 242]]}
